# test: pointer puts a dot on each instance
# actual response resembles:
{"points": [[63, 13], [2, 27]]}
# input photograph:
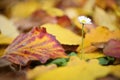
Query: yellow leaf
{"points": [[99, 34], [2, 51], [24, 9], [86, 71], [64, 36], [31, 74], [54, 12], [88, 7], [4, 42], [46, 4], [93, 55], [105, 19], [5, 39], [72, 12], [7, 28], [75, 60], [115, 70]]}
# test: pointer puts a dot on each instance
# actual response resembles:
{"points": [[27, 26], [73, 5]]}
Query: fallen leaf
{"points": [[93, 55], [115, 70], [54, 11], [35, 45], [99, 35], [106, 60], [111, 50], [88, 7], [108, 20], [39, 70], [86, 71], [64, 36], [64, 21], [2, 48], [24, 9], [37, 18], [5, 39], [7, 28], [70, 3], [71, 12]]}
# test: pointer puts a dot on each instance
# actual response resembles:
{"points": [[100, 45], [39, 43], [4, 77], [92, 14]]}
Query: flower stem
{"points": [[82, 52]]}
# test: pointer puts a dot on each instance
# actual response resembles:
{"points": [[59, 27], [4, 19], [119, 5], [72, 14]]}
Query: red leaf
{"points": [[65, 22], [112, 48], [35, 45]]}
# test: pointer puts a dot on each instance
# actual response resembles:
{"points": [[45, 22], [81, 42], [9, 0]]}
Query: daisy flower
{"points": [[84, 20]]}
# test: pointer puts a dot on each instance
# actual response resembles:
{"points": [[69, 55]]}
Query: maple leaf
{"points": [[111, 50], [35, 45]]}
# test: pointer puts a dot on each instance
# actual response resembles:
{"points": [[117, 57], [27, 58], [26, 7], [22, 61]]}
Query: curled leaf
{"points": [[35, 45]]}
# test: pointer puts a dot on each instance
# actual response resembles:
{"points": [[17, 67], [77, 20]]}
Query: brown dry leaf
{"points": [[64, 36], [35, 45], [39, 70], [105, 19], [98, 35]]}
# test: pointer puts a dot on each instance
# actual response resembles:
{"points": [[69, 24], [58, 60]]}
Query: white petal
{"points": [[83, 18]]}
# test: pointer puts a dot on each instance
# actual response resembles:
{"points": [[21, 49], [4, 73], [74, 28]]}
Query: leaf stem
{"points": [[82, 52]]}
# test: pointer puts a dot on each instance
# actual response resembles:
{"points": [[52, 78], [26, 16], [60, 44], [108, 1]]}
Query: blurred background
{"points": [[27, 13]]}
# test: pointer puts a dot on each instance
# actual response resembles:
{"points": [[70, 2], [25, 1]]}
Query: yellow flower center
{"points": [[83, 21]]}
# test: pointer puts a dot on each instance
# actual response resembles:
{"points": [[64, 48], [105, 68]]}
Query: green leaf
{"points": [[103, 61], [72, 54], [59, 62], [110, 58], [106, 60]]}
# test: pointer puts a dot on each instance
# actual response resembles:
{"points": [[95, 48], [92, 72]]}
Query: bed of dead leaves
{"points": [[41, 40]]}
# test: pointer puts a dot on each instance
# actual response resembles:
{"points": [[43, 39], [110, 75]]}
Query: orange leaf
{"points": [[35, 45], [98, 35]]}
